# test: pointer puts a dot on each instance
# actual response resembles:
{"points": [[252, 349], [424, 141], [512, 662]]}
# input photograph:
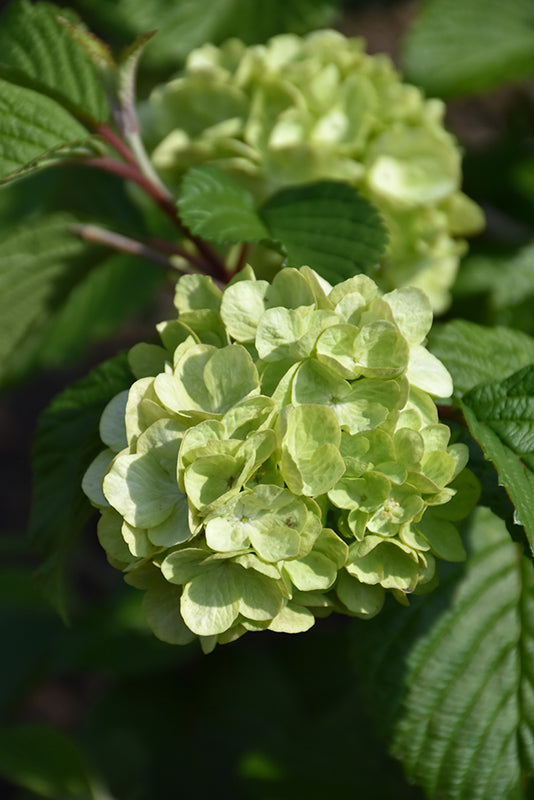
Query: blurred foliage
{"points": [[103, 710]]}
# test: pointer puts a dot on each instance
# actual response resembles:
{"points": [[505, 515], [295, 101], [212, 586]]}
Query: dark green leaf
{"points": [[450, 678], [327, 225], [507, 283], [456, 46], [35, 132], [34, 42], [214, 207], [65, 443], [474, 354], [39, 265], [44, 760], [97, 307], [190, 23], [500, 416]]}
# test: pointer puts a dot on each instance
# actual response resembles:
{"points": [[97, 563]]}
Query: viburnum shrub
{"points": [[299, 109], [299, 438], [280, 457]]}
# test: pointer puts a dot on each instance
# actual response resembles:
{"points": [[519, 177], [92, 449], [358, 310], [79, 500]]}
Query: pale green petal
{"points": [[336, 347], [290, 289], [210, 602], [387, 562], [439, 467], [260, 597], [162, 610], [290, 333], [110, 537], [362, 599], [112, 427], [162, 440], [426, 372], [311, 461], [211, 477], [174, 333], [319, 286], [93, 477], [147, 360], [139, 489], [330, 545], [243, 305], [226, 534], [275, 542], [137, 541], [251, 561], [229, 376], [182, 566], [366, 493], [436, 437], [412, 313], [142, 409], [175, 529], [380, 351], [314, 571], [360, 284], [248, 416], [195, 292], [442, 536], [292, 619]]}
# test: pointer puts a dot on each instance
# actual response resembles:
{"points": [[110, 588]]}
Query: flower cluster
{"points": [[279, 457], [302, 109]]}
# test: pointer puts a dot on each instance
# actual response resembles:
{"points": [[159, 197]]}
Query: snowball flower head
{"points": [[279, 457], [300, 109]]}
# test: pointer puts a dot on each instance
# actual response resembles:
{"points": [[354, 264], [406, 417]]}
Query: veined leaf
{"points": [[34, 42], [216, 208], [40, 262], [474, 354], [456, 46], [450, 678], [500, 416], [327, 225], [35, 131], [65, 443]]}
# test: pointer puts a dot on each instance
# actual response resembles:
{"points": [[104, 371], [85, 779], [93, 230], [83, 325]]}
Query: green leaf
{"points": [[35, 132], [474, 354], [456, 47], [328, 226], [500, 416], [111, 293], [35, 43], [46, 761], [507, 283], [449, 678], [65, 443], [40, 263], [214, 207], [190, 23]]}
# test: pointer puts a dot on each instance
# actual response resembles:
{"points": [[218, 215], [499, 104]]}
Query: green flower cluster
{"points": [[298, 110], [279, 457]]}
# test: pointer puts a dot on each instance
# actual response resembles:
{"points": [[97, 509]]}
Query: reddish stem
{"points": [[108, 134], [213, 264], [453, 414]]}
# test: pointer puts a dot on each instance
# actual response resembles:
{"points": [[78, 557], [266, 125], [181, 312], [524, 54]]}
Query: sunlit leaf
{"points": [[449, 678]]}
